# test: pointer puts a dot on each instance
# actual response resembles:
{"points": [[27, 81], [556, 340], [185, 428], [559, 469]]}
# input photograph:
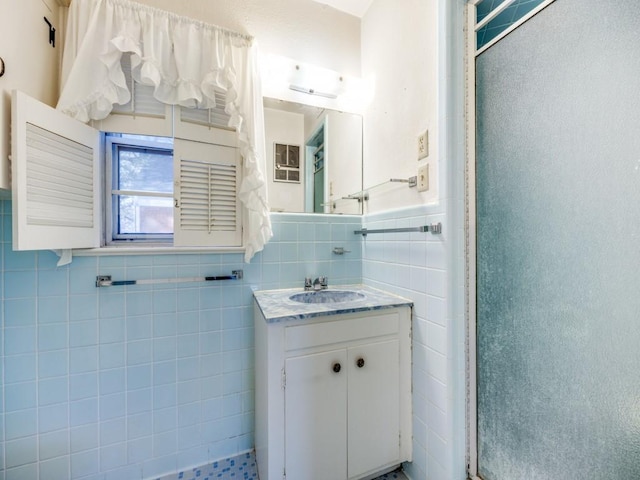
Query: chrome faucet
{"points": [[320, 283]]}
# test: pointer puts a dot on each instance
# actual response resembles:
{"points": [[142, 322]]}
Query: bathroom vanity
{"points": [[333, 386]]}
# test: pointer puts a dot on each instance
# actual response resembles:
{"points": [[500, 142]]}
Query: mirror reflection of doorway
{"points": [[315, 172]]}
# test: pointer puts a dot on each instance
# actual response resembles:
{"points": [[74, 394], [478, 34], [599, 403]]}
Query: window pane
{"points": [[503, 20], [294, 155], [281, 154], [145, 169], [144, 215]]}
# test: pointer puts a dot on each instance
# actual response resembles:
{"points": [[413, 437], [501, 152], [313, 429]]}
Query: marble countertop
{"points": [[276, 306]]}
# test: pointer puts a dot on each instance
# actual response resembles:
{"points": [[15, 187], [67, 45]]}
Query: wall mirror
{"points": [[314, 158]]}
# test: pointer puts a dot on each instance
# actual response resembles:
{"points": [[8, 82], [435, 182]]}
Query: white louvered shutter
{"points": [[205, 125], [212, 117], [55, 178], [143, 114], [207, 179]]}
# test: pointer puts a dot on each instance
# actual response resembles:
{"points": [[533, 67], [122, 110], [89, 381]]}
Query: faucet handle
{"points": [[324, 282], [307, 283]]}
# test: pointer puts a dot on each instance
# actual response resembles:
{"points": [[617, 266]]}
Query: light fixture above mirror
{"points": [[288, 79]]}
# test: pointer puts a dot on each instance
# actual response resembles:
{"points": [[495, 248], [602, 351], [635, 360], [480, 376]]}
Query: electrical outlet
{"points": [[423, 178], [423, 145]]}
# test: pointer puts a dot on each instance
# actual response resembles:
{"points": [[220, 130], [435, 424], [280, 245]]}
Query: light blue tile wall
{"points": [[138, 381]]}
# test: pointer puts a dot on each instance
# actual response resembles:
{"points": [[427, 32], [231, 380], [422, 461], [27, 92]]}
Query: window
{"points": [[287, 163], [161, 189], [179, 190], [139, 186]]}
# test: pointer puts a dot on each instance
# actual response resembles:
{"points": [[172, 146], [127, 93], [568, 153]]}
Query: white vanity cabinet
{"points": [[333, 395]]}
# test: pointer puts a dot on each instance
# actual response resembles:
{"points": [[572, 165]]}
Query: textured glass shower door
{"points": [[558, 246]]}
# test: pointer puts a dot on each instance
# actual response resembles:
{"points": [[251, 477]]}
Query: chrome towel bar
{"points": [[434, 228], [106, 281]]}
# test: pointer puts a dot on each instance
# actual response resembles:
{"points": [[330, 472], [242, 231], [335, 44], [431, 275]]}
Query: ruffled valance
{"points": [[185, 61]]}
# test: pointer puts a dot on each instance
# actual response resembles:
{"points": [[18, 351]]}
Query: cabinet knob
{"points": [[336, 367], [360, 362]]}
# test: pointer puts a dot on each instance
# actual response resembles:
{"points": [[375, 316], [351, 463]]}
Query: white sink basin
{"points": [[326, 296]]}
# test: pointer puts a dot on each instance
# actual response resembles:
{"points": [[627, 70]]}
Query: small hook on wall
{"points": [[1, 66], [52, 33]]}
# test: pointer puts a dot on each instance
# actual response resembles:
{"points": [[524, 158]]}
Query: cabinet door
{"points": [[316, 416], [374, 406]]}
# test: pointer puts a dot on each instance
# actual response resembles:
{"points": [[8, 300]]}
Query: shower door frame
{"points": [[470, 238], [470, 227]]}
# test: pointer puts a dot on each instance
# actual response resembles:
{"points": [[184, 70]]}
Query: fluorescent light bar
{"points": [[311, 91]]}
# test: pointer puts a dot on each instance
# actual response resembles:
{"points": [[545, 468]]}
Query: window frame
{"points": [[113, 142]]}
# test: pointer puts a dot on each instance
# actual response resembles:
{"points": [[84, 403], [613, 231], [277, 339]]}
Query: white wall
{"points": [[344, 151], [31, 63], [286, 128], [399, 53], [415, 56], [300, 29]]}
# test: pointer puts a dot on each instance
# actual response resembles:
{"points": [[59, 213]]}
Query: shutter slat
{"points": [[67, 182], [142, 100], [55, 166], [208, 196], [208, 193], [59, 188], [213, 117], [57, 196], [42, 139], [145, 103]]}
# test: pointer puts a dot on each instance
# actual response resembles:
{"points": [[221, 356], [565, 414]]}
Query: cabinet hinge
{"points": [[283, 379]]}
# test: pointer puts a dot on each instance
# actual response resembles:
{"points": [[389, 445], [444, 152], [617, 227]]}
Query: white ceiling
{"points": [[353, 7]]}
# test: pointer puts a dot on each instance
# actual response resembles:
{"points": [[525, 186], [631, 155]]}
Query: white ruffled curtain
{"points": [[185, 61]]}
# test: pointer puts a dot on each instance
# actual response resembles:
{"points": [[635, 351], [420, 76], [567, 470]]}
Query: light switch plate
{"points": [[423, 178]]}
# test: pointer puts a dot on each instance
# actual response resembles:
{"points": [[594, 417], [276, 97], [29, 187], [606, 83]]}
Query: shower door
{"points": [[558, 246]]}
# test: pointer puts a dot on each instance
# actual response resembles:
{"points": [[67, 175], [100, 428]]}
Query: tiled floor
{"points": [[240, 468], [395, 475], [236, 468]]}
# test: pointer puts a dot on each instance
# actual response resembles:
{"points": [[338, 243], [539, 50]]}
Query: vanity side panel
{"points": [[261, 405], [269, 404], [406, 405]]}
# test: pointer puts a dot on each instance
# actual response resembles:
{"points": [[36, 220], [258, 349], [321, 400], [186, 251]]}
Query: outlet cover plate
{"points": [[423, 145]]}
